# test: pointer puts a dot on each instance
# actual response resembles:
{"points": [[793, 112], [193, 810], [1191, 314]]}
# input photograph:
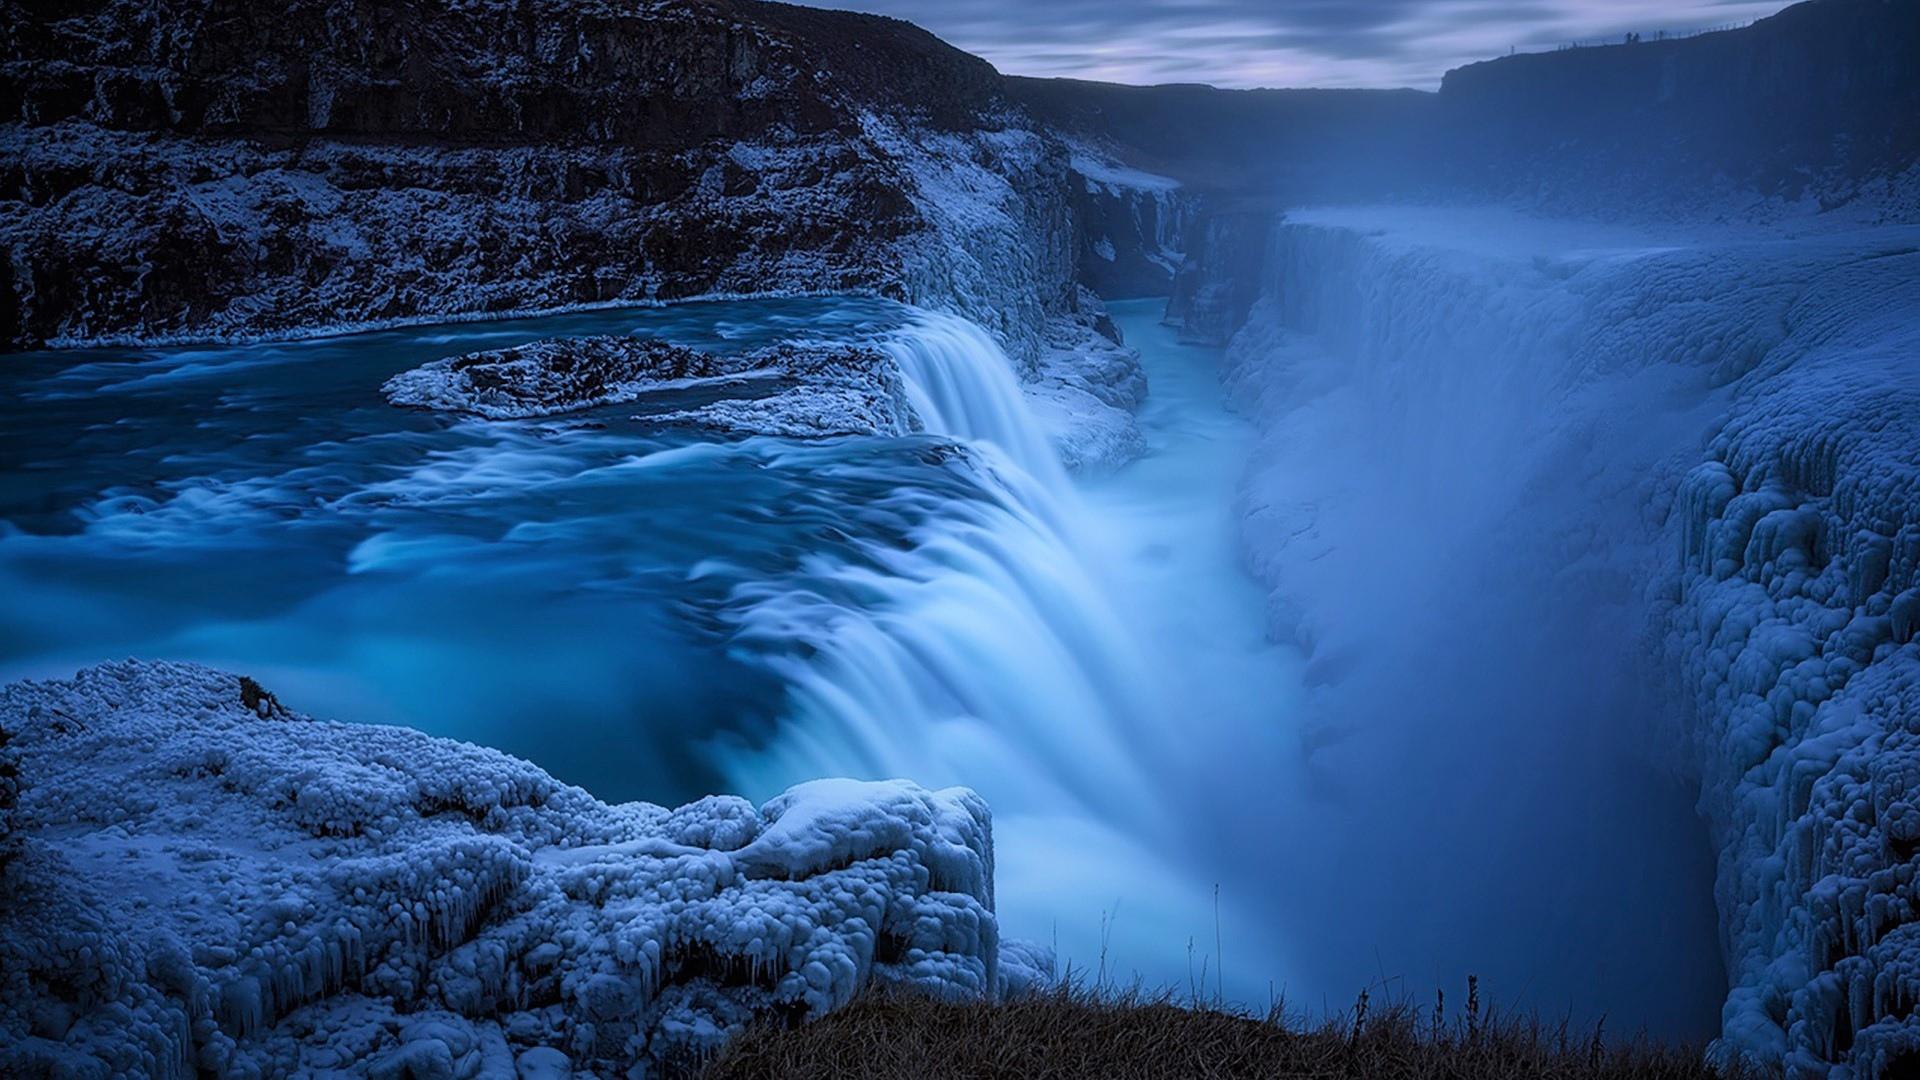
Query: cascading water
{"points": [[1001, 648], [961, 384], [988, 647]]}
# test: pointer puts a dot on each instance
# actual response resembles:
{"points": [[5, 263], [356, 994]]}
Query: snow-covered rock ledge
{"points": [[1083, 392], [1087, 387], [205, 881]]}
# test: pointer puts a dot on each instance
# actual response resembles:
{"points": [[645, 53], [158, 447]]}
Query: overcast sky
{"points": [[1284, 42]]}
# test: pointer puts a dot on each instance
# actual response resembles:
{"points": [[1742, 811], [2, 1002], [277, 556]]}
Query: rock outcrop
{"points": [[795, 389], [560, 375], [210, 883]]}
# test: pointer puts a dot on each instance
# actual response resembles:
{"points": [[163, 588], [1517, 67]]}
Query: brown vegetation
{"points": [[1080, 1034]]}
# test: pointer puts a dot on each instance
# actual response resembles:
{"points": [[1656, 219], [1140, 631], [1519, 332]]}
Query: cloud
{"points": [[1285, 42]]}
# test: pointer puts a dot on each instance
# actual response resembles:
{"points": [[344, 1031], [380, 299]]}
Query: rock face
{"points": [[1134, 227], [212, 169], [211, 883], [1219, 281], [1287, 144]]}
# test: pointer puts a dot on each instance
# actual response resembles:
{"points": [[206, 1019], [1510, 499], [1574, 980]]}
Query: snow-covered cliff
{"points": [[208, 882], [1688, 461]]}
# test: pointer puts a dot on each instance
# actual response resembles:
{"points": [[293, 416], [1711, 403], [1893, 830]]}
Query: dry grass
{"points": [[1080, 1034]]}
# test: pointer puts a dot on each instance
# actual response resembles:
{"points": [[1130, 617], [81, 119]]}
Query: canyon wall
{"points": [[1814, 107], [1604, 495], [205, 169]]}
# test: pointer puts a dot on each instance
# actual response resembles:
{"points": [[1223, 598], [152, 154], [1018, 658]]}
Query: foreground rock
{"points": [[556, 375], [207, 882]]}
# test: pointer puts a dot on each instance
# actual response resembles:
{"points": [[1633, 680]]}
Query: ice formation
{"points": [[208, 881], [1711, 433]]}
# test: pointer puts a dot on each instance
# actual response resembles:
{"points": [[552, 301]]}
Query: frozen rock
{"points": [[204, 888], [795, 390], [1087, 387], [556, 375], [822, 390]]}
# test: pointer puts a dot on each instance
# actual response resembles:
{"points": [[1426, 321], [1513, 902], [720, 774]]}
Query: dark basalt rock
{"points": [[187, 169], [555, 375], [793, 389], [1220, 280]]}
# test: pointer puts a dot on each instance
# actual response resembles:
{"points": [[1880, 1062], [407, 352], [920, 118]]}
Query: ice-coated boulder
{"points": [[207, 881]]}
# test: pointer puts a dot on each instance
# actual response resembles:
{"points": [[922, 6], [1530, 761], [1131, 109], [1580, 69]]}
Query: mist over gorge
{"points": [[1257, 542]]}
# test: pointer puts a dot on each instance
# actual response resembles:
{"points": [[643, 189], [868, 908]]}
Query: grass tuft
{"points": [[1082, 1033]]}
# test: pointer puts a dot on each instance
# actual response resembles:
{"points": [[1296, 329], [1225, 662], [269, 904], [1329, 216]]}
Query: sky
{"points": [[1241, 43]]}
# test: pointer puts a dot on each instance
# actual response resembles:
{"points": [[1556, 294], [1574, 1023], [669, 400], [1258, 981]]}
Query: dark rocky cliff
{"points": [[1220, 280], [1289, 143], [209, 168], [1821, 101]]}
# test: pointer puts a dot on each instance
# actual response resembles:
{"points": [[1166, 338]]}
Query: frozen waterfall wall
{"points": [[1603, 506]]}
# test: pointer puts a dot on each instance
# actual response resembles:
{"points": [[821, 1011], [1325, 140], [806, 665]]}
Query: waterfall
{"points": [[986, 650], [1081, 656], [962, 384]]}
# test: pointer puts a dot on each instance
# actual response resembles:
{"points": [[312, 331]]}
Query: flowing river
{"points": [[654, 615]]}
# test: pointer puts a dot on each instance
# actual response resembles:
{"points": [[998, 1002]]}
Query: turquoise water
{"points": [[532, 586], [654, 615]]}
